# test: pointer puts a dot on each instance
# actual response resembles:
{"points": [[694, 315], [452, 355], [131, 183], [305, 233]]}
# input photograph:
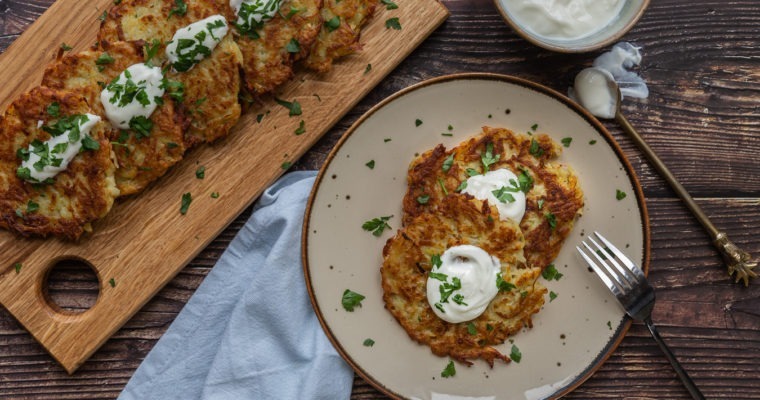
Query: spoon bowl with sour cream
{"points": [[571, 26]]}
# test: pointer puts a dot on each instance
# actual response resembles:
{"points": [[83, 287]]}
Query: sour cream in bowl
{"points": [[571, 26]]}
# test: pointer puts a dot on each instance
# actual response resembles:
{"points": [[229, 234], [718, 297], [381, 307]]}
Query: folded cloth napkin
{"points": [[249, 331]]}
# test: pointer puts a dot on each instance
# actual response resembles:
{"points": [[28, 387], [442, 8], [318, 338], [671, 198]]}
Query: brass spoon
{"points": [[737, 261]]}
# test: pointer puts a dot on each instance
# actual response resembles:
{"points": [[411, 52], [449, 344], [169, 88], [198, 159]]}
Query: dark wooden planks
{"points": [[702, 62]]}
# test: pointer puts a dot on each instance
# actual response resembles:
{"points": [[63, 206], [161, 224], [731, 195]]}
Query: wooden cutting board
{"points": [[145, 241]]}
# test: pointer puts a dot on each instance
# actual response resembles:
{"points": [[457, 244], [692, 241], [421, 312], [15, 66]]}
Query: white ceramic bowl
{"points": [[631, 12]]}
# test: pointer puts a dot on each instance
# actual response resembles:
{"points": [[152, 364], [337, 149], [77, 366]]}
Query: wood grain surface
{"points": [[702, 62]]}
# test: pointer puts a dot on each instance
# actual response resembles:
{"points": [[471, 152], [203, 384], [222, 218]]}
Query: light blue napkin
{"points": [[249, 331]]}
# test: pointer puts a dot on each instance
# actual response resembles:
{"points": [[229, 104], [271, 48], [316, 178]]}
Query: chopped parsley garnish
{"points": [[332, 24], [550, 273], [191, 51], [566, 141], [215, 195], [112, 282], [103, 16], [88, 143], [151, 50], [534, 127], [17, 267], [443, 187], [370, 164], [447, 163], [293, 46], [351, 300], [447, 290], [176, 89], [609, 324], [200, 173], [252, 16], [435, 259], [535, 148], [515, 354], [389, 5], [471, 172], [65, 47], [551, 219], [525, 181], [301, 128], [592, 142], [103, 60], [187, 198], [462, 186], [471, 328], [368, 342], [259, 117], [417, 122], [54, 109], [502, 194], [377, 225], [459, 299], [294, 107], [286, 165], [393, 23], [437, 276], [488, 158], [367, 69], [141, 125], [449, 371], [32, 207], [386, 140], [423, 199], [552, 296], [180, 8], [503, 285], [619, 194], [540, 203]]}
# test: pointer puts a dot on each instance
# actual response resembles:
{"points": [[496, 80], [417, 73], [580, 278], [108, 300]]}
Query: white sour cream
{"points": [[122, 105], [563, 19], [254, 12], [195, 42], [464, 284], [594, 92], [59, 159], [482, 187]]}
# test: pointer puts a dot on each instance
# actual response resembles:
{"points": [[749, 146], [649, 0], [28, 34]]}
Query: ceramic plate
{"points": [[571, 336]]}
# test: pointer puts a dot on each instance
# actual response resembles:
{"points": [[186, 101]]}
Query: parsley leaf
{"points": [[417, 122], [377, 225], [369, 68], [286, 165], [200, 173], [438, 276], [619, 194], [551, 219], [32, 207], [449, 371], [294, 107], [88, 143], [550, 273], [552, 296], [525, 181], [141, 125], [423, 199], [435, 259], [566, 141], [112, 282], [54, 109], [293, 46], [368, 342], [502, 194], [301, 128], [370, 164], [332, 24], [180, 8], [17, 267], [393, 23], [65, 47], [187, 198], [535, 148], [488, 158], [447, 163], [351, 300], [471, 329], [389, 5], [515, 354], [503, 285]]}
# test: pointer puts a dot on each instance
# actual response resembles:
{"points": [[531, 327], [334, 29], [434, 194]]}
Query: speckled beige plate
{"points": [[571, 336]]}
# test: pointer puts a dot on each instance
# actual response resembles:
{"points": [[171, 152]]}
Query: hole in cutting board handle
{"points": [[71, 286]]}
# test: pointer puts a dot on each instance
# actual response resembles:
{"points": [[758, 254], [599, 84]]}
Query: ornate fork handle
{"points": [[737, 260]]}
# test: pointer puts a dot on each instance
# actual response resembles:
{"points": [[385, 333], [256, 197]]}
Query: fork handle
{"points": [[690, 386]]}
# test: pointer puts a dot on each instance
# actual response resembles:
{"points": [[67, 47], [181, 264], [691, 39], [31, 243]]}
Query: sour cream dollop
{"points": [[132, 94], [464, 283], [58, 151], [501, 188], [563, 19], [251, 13], [193, 43]]}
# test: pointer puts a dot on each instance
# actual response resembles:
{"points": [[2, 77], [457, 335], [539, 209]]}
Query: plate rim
{"points": [[639, 192]]}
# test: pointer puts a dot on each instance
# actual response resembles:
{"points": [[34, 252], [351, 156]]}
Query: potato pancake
{"points": [[75, 197], [459, 219], [553, 196], [211, 87], [339, 36], [140, 159], [270, 51]]}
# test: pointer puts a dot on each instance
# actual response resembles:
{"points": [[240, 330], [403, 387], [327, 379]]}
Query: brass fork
{"points": [[628, 283]]}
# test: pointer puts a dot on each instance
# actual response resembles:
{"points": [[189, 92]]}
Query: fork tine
{"points": [[624, 276], [607, 270], [614, 288], [625, 260]]}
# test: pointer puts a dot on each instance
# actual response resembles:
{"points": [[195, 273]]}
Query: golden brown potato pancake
{"points": [[142, 160], [459, 219], [77, 196], [554, 200], [269, 52], [212, 86], [339, 36]]}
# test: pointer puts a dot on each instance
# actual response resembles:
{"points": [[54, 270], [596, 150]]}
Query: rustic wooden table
{"points": [[702, 63]]}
